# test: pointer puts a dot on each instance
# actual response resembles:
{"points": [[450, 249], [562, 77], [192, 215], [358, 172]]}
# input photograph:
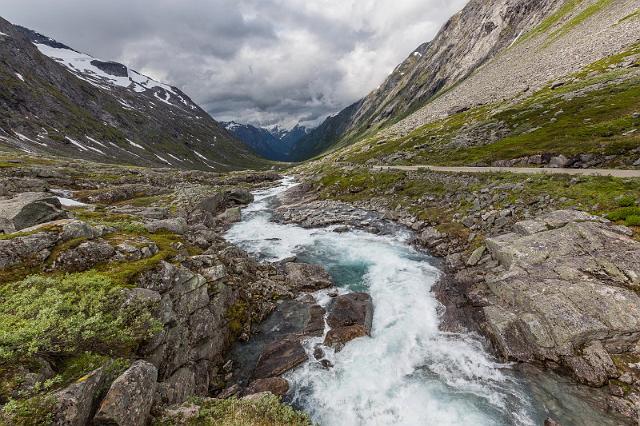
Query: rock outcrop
{"points": [[29, 209], [129, 400], [564, 293]]}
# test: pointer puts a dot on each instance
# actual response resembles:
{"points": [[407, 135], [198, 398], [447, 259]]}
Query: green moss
{"points": [[125, 273], [237, 315], [633, 15], [623, 213]]}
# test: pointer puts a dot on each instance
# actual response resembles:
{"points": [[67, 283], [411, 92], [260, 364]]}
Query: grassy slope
{"points": [[590, 114]]}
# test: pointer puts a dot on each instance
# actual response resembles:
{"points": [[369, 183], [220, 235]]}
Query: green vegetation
{"points": [[266, 411], [64, 316], [34, 411], [629, 215], [581, 17], [633, 15], [552, 20]]}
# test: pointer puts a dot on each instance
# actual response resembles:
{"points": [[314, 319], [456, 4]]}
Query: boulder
{"points": [[129, 400], [29, 209], [279, 357], [338, 337], [75, 404], [180, 386], [351, 309], [230, 215], [305, 277], [559, 161], [275, 385], [476, 256], [239, 196], [176, 225], [30, 250], [84, 257]]}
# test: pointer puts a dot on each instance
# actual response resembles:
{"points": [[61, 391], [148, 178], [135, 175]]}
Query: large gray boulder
{"points": [[566, 294], [29, 209], [129, 400]]}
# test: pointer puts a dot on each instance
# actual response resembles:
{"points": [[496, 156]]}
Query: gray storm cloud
{"points": [[259, 61]]}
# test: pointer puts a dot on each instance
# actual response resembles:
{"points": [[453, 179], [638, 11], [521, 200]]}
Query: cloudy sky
{"points": [[258, 61]]}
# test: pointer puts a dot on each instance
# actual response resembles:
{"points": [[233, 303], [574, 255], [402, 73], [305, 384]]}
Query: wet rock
{"points": [[29, 209], [279, 357], [239, 196], [305, 277], [315, 324], [74, 404], [338, 337], [176, 225], [129, 400], [351, 309], [275, 385]]}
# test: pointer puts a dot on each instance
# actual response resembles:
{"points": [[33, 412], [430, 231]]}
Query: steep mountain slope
{"points": [[259, 140], [491, 51], [565, 94], [274, 143], [324, 136], [59, 101]]}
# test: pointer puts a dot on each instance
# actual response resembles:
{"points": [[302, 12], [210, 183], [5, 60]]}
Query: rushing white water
{"points": [[408, 372]]}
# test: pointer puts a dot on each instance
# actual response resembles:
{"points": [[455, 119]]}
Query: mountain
{"points": [[274, 143], [56, 100], [488, 52]]}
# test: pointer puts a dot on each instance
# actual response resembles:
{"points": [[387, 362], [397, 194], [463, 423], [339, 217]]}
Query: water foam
{"points": [[408, 372]]}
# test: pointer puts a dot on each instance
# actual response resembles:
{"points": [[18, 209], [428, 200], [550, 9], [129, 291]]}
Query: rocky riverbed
{"points": [[557, 291]]}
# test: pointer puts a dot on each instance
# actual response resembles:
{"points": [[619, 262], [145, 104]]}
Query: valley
{"points": [[460, 246]]}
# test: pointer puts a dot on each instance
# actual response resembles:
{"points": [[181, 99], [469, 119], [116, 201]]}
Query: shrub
{"points": [[268, 410], [62, 316], [633, 220], [626, 201], [623, 213]]}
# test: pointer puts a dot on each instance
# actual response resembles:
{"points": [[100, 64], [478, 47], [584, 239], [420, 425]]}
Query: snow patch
{"points": [[95, 141], [20, 77], [76, 143], [201, 156], [135, 144], [68, 202], [80, 64], [163, 160], [174, 157]]}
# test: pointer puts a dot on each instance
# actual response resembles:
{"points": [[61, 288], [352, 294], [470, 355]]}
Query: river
{"points": [[408, 372]]}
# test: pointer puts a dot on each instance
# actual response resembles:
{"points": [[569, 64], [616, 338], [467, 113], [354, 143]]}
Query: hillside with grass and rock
{"points": [[58, 101]]}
